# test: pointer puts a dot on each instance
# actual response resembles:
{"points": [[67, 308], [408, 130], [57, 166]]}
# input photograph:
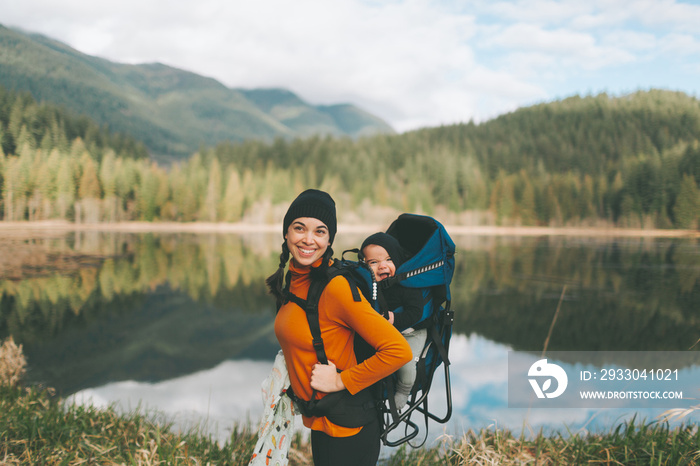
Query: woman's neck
{"points": [[302, 268]]}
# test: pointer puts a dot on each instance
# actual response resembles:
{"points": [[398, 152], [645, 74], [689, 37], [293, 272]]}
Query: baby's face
{"points": [[379, 261]]}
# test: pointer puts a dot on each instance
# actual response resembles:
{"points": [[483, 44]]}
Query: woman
{"points": [[309, 228]]}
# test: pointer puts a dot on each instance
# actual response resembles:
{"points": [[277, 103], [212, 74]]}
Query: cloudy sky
{"points": [[414, 63]]}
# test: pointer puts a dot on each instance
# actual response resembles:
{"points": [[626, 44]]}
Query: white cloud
{"points": [[630, 40], [522, 36], [539, 12], [412, 62], [675, 15], [569, 48], [680, 45]]}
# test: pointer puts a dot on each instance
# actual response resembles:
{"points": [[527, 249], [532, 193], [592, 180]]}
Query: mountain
{"points": [[172, 111]]}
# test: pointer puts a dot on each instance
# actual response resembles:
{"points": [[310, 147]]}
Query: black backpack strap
{"points": [[437, 339], [311, 309], [289, 296], [347, 273], [354, 290]]}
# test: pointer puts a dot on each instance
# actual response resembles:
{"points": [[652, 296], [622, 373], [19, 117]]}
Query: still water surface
{"points": [[180, 323]]}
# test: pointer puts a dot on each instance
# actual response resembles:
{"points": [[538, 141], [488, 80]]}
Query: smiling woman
{"points": [[309, 229]]}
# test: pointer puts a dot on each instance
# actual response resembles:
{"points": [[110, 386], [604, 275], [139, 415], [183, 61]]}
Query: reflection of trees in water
{"points": [[216, 269], [621, 295], [160, 335]]}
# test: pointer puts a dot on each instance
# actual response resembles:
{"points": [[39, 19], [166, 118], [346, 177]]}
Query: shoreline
{"points": [[454, 230]]}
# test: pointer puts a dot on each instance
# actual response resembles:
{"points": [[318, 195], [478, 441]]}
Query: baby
{"points": [[383, 254]]}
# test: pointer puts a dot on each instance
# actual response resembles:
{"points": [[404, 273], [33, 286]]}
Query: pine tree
{"points": [[147, 192], [686, 210], [587, 198], [89, 192], [125, 183], [89, 184], [9, 188], [526, 205], [213, 195], [502, 203], [45, 190], [233, 197], [108, 181]]}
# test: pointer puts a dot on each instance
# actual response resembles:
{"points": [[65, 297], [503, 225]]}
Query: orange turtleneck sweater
{"points": [[339, 318]]}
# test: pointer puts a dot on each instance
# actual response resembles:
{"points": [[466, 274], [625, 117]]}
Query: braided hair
{"points": [[275, 282], [278, 281]]}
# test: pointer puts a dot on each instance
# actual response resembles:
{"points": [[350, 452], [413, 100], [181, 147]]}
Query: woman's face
{"points": [[307, 240]]}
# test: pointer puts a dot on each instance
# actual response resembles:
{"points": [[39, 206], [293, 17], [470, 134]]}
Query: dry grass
{"points": [[36, 428], [12, 363], [492, 448]]}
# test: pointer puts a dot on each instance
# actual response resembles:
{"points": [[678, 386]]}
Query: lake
{"points": [[180, 323]]}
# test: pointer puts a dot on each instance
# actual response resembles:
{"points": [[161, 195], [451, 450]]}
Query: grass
{"points": [[630, 443], [12, 363], [37, 428]]}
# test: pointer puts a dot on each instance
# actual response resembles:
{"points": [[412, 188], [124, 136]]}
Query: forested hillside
{"points": [[624, 161], [172, 111], [25, 124], [632, 160]]}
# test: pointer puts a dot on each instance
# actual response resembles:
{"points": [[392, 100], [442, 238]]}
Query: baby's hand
{"points": [[391, 318]]}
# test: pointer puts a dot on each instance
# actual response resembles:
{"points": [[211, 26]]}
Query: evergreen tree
{"points": [[234, 197], [686, 211], [65, 188], [89, 185], [89, 192], [147, 193], [45, 190], [108, 181], [503, 199], [213, 195], [125, 185], [527, 203]]}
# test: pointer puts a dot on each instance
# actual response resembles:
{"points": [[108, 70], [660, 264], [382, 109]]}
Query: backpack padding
{"points": [[412, 231], [432, 250]]}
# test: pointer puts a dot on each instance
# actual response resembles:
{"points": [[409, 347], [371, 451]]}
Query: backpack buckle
{"points": [[318, 343]]}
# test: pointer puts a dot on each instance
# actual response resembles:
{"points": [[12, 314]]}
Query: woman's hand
{"points": [[325, 378]]}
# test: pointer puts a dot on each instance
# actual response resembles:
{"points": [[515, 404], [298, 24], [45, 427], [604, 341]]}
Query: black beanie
{"points": [[315, 204], [390, 244]]}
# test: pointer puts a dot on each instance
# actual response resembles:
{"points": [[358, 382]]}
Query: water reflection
{"points": [[213, 400], [229, 394], [106, 314]]}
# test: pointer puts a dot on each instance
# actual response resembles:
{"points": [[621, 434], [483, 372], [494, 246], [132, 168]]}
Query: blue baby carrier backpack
{"points": [[430, 268]]}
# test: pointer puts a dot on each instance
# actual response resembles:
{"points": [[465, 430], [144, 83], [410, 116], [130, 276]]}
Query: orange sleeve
{"points": [[392, 350]]}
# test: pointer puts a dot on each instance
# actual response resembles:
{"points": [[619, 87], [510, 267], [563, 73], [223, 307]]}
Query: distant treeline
{"points": [[507, 291], [624, 161]]}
